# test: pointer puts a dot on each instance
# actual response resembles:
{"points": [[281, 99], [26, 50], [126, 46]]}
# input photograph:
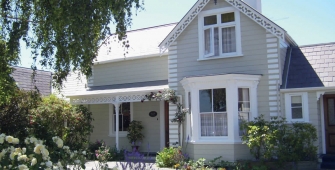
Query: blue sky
{"points": [[307, 21]]}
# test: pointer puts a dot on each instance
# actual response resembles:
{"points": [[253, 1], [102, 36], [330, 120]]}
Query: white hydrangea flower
{"points": [[84, 152], [2, 140], [32, 139], [22, 158], [24, 150], [77, 161], [38, 148]]}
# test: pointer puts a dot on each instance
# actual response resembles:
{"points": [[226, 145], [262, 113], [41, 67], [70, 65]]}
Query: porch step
{"points": [[328, 162]]}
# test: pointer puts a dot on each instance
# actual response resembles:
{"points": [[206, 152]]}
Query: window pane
{"points": [[228, 40], [208, 41], [243, 99], [124, 117], [219, 96], [221, 126], [210, 20], [296, 101], [205, 99], [206, 121], [229, 17], [296, 113], [331, 109]]}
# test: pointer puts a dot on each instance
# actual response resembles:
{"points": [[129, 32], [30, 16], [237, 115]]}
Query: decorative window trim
{"points": [[236, 24], [231, 82], [111, 121], [305, 110]]}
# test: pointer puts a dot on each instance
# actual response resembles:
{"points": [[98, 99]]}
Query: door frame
{"points": [[323, 120]]}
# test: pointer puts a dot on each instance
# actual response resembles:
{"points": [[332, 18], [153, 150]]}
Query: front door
{"points": [[329, 107]]}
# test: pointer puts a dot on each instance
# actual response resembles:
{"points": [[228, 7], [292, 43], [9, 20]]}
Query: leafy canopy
{"points": [[66, 34]]}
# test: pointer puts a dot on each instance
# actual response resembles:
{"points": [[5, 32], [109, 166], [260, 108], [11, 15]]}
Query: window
{"points": [[243, 105], [213, 112], [296, 107], [218, 102], [219, 34], [124, 117]]}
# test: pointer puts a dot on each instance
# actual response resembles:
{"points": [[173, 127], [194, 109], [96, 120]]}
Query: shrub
{"points": [[275, 139], [169, 157], [14, 115], [56, 117]]}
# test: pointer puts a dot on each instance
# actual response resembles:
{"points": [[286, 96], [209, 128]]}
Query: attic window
{"points": [[219, 33]]}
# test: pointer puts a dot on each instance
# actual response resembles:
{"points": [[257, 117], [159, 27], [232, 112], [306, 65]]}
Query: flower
{"points": [[77, 161], [9, 139], [48, 164], [2, 139], [16, 141], [23, 167], [22, 158], [33, 161], [38, 148], [33, 140], [84, 152], [24, 150], [44, 152]]}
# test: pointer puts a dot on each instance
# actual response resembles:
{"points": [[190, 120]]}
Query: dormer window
{"points": [[219, 33]]}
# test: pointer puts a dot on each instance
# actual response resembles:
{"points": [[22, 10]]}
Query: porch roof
{"points": [[130, 92]]}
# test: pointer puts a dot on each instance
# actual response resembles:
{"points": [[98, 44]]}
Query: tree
{"points": [[66, 34]]}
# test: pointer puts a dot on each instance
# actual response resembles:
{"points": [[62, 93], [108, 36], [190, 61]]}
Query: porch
{"points": [[114, 109]]}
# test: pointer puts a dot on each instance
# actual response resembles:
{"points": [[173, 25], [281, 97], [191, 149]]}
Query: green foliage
{"points": [[276, 139], [15, 114], [134, 132], [56, 117], [169, 157], [116, 154], [66, 34]]}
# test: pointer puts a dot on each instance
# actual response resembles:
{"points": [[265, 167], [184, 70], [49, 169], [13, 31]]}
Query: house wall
{"points": [[140, 112], [74, 83], [315, 112], [130, 71], [151, 130], [260, 56]]}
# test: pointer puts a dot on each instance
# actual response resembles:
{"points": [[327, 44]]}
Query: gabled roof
{"points": [[238, 4], [23, 79], [310, 66]]}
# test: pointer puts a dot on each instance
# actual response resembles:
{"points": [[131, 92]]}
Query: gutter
{"points": [[308, 89]]}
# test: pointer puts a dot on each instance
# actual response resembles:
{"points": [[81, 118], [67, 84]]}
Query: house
{"points": [[24, 80], [226, 62]]}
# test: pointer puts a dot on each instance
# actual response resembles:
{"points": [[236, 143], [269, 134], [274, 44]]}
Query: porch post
{"points": [[117, 105]]}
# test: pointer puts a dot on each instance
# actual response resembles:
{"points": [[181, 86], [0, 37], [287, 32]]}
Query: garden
{"points": [[49, 133]]}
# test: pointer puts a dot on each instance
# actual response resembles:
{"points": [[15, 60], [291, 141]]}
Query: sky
{"points": [[306, 21]]}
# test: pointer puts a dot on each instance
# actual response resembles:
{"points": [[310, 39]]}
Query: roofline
{"points": [[240, 5], [311, 45], [156, 26], [31, 69], [308, 89], [130, 58]]}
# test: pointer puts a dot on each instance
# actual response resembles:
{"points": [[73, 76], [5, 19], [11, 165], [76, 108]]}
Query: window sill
{"points": [[120, 135], [221, 57], [215, 142], [297, 121]]}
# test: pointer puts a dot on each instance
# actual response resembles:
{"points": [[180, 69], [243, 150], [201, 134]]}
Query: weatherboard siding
{"points": [[151, 131], [74, 84], [130, 71], [253, 61]]}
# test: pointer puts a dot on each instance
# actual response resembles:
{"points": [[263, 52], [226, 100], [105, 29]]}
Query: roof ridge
{"points": [[156, 26], [311, 45]]}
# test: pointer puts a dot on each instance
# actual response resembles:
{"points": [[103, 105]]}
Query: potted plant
{"points": [[134, 134]]}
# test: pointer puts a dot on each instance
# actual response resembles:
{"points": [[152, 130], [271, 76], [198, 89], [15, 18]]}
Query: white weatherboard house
{"points": [[227, 62]]}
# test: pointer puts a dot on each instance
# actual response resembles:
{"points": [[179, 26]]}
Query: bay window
{"points": [[218, 104], [219, 33]]}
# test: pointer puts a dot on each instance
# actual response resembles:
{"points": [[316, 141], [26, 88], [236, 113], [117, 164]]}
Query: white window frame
{"points": [[111, 120], [288, 109], [231, 82], [220, 25]]}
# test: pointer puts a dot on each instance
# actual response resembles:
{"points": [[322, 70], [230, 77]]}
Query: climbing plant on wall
{"points": [[170, 96]]}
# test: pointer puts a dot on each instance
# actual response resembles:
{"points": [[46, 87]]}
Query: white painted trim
{"points": [[305, 107], [111, 120], [323, 133], [118, 91], [130, 58], [161, 122], [201, 28], [308, 89], [231, 82]]}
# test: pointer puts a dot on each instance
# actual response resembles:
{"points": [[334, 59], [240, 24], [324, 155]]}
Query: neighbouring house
{"points": [[227, 62], [24, 80]]}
